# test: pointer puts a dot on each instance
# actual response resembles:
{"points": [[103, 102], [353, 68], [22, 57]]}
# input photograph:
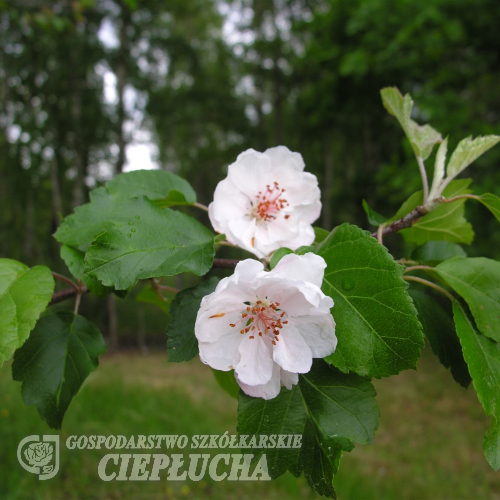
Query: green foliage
{"points": [[374, 218], [182, 344], [24, 295], [320, 234], [227, 381], [108, 205], [492, 203], [79, 229], [439, 168], [476, 280], [446, 222], [74, 259], [53, 363], [149, 295], [422, 137], [434, 252], [483, 358], [377, 328], [439, 330], [164, 188], [329, 409], [278, 255], [467, 151], [148, 242]]}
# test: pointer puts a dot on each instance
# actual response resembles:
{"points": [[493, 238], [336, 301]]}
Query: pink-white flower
{"points": [[266, 202], [267, 326]]}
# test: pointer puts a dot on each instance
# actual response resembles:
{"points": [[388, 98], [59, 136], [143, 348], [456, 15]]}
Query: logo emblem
{"points": [[39, 455]]}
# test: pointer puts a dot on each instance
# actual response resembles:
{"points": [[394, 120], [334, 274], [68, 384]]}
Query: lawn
{"points": [[428, 446]]}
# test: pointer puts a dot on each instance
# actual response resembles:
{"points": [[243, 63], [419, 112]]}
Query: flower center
{"points": [[269, 203], [262, 318]]}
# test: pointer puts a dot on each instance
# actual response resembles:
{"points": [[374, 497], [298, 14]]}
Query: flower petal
{"points": [[308, 267], [291, 351], [222, 354], [318, 333], [213, 323], [281, 155], [256, 363], [288, 379], [269, 390]]}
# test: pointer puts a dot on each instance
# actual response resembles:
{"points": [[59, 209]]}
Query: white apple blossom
{"points": [[267, 325], [266, 202]]}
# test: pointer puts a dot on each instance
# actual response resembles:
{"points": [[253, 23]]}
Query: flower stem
{"points": [[200, 206], [425, 268], [459, 197], [423, 173], [77, 302], [380, 233], [429, 284], [66, 280]]}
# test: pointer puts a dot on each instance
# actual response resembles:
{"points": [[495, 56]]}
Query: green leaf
{"points": [[165, 188], [415, 200], [483, 358], [228, 382], [477, 281], [492, 203], [439, 167], [182, 344], [434, 252], [74, 259], [374, 218], [446, 222], [491, 444], [329, 409], [439, 330], [80, 228], [422, 137], [218, 238], [377, 328], [278, 255], [148, 295], [148, 243], [53, 363], [320, 234], [467, 151], [107, 204], [24, 294]]}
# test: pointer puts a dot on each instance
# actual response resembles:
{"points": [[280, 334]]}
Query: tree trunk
{"points": [[29, 226], [121, 82], [56, 192], [76, 115], [327, 193], [112, 323]]}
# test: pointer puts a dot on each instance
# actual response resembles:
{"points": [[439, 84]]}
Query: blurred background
{"points": [[93, 88]]}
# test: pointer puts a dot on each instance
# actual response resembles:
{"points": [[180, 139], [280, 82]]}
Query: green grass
{"points": [[428, 446]]}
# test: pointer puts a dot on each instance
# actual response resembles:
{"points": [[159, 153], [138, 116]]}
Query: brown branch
{"points": [[226, 263], [62, 278], [66, 294], [406, 221]]}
